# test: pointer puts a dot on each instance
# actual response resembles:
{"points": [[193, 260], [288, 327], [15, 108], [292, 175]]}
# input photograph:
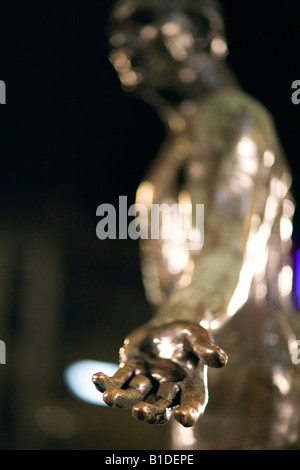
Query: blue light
{"points": [[78, 378]]}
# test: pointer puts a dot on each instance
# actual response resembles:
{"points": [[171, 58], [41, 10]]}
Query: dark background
{"points": [[70, 140]]}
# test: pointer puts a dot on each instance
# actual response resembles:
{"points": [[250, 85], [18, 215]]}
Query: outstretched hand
{"points": [[167, 365]]}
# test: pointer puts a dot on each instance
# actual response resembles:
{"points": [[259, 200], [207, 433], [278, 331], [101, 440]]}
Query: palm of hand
{"points": [[167, 365]]}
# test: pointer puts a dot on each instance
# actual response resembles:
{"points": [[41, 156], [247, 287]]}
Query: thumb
{"points": [[203, 346]]}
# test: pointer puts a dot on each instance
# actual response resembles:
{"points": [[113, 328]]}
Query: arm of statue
{"points": [[165, 361], [167, 364]]}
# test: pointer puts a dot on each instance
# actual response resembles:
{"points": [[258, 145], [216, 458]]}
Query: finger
{"points": [[211, 355], [204, 347], [131, 345], [103, 382], [126, 372], [165, 370], [157, 412], [193, 401], [139, 387]]}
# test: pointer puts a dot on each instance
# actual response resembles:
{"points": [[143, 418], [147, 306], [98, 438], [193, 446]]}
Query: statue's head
{"points": [[155, 42]]}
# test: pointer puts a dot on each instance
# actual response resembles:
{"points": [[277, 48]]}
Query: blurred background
{"points": [[70, 140]]}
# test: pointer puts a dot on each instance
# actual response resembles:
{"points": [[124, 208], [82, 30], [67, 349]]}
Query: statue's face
{"points": [[156, 41]]}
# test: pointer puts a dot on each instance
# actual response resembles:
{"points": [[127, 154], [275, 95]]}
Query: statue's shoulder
{"points": [[233, 102], [232, 112]]}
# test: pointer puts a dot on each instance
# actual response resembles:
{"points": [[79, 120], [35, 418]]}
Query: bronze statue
{"points": [[221, 151]]}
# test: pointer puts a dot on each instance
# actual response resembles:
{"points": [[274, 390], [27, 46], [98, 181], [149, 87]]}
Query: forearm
{"points": [[207, 297]]}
